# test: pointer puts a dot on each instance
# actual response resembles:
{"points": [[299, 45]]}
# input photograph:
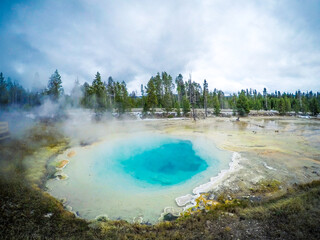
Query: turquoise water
{"points": [[159, 161], [132, 175], [167, 164]]}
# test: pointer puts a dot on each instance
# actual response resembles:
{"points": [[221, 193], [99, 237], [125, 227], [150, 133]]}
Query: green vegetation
{"points": [[97, 93], [151, 101], [216, 105], [55, 89], [177, 109], [243, 104], [185, 106], [160, 92], [266, 186]]}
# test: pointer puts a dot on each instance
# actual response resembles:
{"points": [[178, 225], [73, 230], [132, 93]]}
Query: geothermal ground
{"points": [[265, 192], [278, 149]]}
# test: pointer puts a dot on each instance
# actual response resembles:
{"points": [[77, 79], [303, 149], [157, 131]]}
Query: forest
{"points": [[161, 91]]}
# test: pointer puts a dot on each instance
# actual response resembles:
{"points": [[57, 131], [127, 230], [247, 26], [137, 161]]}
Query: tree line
{"points": [[161, 91]]}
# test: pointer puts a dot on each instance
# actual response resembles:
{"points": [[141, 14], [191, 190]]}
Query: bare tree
{"points": [[192, 98], [205, 94]]}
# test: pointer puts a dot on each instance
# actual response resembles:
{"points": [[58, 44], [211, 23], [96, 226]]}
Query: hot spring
{"points": [[136, 175]]}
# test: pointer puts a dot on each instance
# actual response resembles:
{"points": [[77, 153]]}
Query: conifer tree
{"points": [[242, 104], [98, 91], [314, 106], [55, 89], [180, 88], [151, 95], [185, 105], [111, 91], [167, 98], [4, 98], [216, 105], [158, 85], [281, 106], [177, 108]]}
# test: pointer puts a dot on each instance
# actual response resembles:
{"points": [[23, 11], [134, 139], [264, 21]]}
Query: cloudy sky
{"points": [[233, 44]]}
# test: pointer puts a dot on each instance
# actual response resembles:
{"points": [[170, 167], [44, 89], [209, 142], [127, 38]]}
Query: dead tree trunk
{"points": [[205, 94], [192, 99], [205, 106]]}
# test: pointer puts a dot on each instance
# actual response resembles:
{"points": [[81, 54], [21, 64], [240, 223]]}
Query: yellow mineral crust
{"points": [[71, 154], [62, 163]]}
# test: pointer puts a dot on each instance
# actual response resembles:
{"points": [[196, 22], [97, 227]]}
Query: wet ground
{"points": [[286, 149]]}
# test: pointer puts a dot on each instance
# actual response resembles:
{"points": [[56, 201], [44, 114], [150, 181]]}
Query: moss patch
{"points": [[266, 186]]}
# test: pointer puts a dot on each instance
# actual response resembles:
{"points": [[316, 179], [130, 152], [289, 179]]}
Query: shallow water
{"points": [[137, 175]]}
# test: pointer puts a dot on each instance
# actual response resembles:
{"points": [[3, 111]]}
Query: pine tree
{"points": [[216, 105], [98, 91], [86, 99], [144, 104], [242, 104], [125, 98], [4, 97], [193, 97], [314, 106], [110, 90], [55, 89], [167, 102], [296, 105], [265, 95], [158, 85], [281, 106], [287, 104], [151, 95], [177, 108], [167, 98], [185, 106], [305, 107], [180, 88], [117, 97]]}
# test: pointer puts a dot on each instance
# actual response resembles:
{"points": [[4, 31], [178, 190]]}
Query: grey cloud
{"points": [[233, 44]]}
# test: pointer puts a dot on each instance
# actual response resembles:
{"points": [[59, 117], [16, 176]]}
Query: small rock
{"points": [[69, 208], [169, 217], [48, 215], [314, 172]]}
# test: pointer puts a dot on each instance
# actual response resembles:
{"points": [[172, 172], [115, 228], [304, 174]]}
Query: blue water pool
{"points": [[130, 175], [158, 161], [170, 163]]}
